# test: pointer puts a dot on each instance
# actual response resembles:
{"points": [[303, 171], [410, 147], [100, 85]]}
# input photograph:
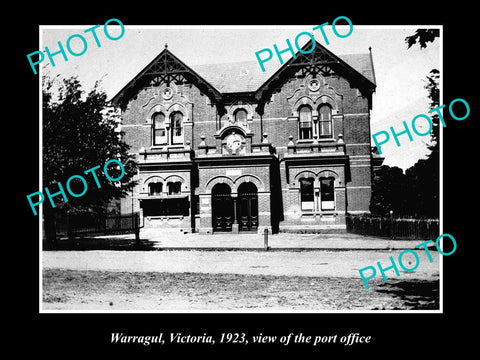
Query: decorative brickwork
{"points": [[292, 155]]}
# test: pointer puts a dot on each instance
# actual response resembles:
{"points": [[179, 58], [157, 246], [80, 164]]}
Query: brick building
{"points": [[227, 147]]}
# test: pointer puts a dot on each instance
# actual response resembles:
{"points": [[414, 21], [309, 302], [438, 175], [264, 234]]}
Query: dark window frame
{"points": [[242, 121], [306, 195], [328, 121], [305, 132], [327, 194], [156, 129], [174, 128], [152, 186]]}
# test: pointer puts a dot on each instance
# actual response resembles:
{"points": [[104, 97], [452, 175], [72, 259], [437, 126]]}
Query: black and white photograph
{"points": [[247, 186]]}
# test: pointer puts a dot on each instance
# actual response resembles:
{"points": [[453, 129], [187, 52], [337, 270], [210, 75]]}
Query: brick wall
{"points": [[279, 120]]}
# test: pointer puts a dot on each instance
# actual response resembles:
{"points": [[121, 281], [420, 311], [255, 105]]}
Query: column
{"points": [[235, 226]]}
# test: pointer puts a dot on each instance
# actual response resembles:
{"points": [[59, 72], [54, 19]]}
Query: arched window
{"points": [[306, 194], [155, 189], [241, 116], [174, 188], [159, 130], [327, 194], [305, 123], [176, 128], [325, 121]]}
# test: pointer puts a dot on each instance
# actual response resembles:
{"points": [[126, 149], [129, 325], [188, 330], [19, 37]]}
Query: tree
{"points": [[423, 194], [80, 131], [434, 96], [423, 176], [388, 191], [422, 36]]}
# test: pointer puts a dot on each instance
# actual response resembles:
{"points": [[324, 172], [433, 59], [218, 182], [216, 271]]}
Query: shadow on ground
{"points": [[415, 294], [110, 243]]}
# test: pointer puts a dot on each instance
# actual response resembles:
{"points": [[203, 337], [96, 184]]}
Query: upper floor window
{"points": [[241, 117], [305, 122], [176, 128], [325, 121], [159, 129], [167, 131]]}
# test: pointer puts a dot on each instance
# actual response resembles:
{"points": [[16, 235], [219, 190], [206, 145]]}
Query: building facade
{"points": [[229, 148]]}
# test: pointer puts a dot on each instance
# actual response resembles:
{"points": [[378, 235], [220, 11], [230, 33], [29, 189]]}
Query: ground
{"points": [[103, 290], [212, 279]]}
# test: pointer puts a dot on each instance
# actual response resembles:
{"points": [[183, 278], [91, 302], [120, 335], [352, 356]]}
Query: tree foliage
{"points": [[388, 191], [416, 192], [422, 36], [80, 131]]}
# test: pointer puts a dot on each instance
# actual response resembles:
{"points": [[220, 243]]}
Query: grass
{"points": [[108, 290]]}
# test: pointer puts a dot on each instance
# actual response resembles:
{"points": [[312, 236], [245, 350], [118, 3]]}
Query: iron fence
{"points": [[89, 224], [394, 228]]}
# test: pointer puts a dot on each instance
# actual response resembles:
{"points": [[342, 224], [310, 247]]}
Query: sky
{"points": [[400, 72]]}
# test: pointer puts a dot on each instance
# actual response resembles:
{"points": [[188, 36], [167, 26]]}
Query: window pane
{"points": [[159, 132], [176, 207], [158, 121], [305, 122], [325, 128], [325, 113], [177, 121], [327, 194], [160, 137], [155, 189], [241, 116], [306, 194], [174, 188], [305, 114], [177, 135], [166, 207]]}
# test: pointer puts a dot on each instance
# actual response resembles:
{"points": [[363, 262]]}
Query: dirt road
{"points": [[288, 263]]}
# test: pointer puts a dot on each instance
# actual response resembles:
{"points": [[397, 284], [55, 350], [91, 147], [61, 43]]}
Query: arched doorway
{"points": [[247, 207], [222, 208]]}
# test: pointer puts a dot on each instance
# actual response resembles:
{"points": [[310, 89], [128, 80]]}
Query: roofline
{"points": [[371, 62], [116, 98], [308, 44]]}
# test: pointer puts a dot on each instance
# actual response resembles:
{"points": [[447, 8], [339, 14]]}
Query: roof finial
{"points": [[166, 45], [370, 48]]}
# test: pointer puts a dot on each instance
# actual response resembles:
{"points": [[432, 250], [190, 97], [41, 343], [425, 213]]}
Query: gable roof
{"points": [[244, 76], [247, 76], [363, 63], [166, 66]]}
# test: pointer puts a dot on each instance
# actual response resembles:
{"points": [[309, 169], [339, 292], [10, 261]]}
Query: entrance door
{"points": [[248, 207], [222, 208]]}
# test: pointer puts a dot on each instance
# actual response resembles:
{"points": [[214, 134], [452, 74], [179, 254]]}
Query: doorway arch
{"points": [[247, 208], [222, 207]]}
